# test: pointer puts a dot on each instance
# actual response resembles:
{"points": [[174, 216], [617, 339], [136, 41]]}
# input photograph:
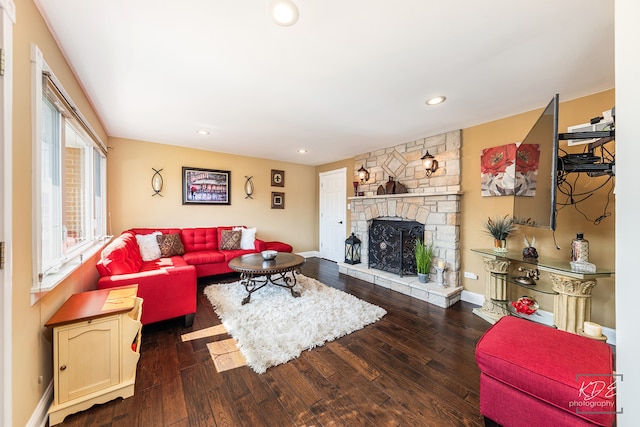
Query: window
{"points": [[69, 185]]}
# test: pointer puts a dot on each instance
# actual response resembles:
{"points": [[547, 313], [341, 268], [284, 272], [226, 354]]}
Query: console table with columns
{"points": [[572, 289]]}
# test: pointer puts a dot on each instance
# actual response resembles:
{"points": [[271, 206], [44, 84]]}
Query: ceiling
{"points": [[351, 76]]}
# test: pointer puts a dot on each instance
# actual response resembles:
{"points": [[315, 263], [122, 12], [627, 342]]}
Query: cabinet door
{"points": [[88, 357]]}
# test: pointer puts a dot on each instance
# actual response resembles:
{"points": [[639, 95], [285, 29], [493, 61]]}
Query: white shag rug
{"points": [[275, 327]]}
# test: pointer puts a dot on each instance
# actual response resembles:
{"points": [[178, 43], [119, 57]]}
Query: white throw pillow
{"points": [[148, 244], [248, 240]]}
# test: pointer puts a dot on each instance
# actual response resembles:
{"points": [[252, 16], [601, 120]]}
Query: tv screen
{"points": [[536, 172]]}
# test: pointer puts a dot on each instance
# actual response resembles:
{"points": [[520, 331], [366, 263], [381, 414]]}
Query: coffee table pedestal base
{"points": [[252, 283]]}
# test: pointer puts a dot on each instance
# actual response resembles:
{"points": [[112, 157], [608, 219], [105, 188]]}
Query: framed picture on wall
{"points": [[206, 186], [277, 200], [277, 178]]}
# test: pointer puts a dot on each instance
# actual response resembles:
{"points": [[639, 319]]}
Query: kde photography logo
{"points": [[596, 394]]}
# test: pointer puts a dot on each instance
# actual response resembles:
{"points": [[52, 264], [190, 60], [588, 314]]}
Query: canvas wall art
{"points": [[509, 170]]}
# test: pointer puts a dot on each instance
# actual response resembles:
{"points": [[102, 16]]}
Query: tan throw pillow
{"points": [[230, 240], [170, 245]]}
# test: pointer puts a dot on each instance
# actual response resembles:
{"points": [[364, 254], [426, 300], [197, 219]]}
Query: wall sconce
{"points": [[430, 163], [283, 12], [156, 182], [248, 187], [364, 175], [352, 249]]}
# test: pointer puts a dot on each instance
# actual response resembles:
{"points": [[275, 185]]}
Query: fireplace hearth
{"points": [[391, 245]]}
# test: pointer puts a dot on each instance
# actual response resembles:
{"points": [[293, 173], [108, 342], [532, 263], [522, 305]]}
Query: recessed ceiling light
{"points": [[302, 151], [284, 12], [436, 100], [203, 132]]}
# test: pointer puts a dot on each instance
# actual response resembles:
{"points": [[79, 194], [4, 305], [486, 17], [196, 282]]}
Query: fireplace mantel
{"points": [[402, 195]]}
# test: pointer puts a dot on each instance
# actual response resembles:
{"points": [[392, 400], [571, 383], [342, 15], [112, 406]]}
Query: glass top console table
{"points": [[571, 289]]}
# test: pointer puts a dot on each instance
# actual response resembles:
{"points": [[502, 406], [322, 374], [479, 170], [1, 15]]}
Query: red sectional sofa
{"points": [[168, 285]]}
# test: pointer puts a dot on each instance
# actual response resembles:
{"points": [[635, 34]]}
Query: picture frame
{"points": [[277, 178], [277, 200], [205, 186]]}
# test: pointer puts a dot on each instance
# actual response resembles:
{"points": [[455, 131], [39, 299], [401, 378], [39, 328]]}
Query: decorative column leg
{"points": [[495, 290], [572, 305]]}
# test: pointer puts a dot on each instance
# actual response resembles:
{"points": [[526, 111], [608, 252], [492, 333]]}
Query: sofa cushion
{"points": [[170, 244], [122, 256], [160, 263], [200, 239], [203, 257], [230, 240], [229, 255], [149, 248]]}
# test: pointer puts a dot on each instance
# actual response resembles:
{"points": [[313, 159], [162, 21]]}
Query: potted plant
{"points": [[500, 228], [423, 254]]}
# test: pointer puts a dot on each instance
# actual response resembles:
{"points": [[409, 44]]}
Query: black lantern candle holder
{"points": [[352, 248]]}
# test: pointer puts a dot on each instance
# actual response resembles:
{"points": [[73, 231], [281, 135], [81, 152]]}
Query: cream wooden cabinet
{"points": [[96, 347]]}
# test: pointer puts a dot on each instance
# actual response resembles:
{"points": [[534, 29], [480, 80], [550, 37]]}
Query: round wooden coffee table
{"points": [[255, 272]]}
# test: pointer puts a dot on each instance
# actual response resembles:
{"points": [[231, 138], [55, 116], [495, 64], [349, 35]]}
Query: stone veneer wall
{"points": [[433, 201], [402, 162]]}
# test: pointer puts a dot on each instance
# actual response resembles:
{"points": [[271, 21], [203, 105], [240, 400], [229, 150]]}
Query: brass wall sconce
{"points": [[430, 163], [156, 182], [364, 174]]}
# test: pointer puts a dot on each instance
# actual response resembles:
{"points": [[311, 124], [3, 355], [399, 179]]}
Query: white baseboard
{"points": [[540, 316], [310, 254], [40, 416], [472, 297]]}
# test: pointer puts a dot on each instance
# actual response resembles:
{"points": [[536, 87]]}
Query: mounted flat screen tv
{"points": [[537, 172]]}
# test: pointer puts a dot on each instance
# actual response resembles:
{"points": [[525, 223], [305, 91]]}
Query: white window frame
{"points": [[44, 281]]}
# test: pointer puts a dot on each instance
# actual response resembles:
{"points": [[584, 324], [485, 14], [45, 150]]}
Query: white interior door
{"points": [[7, 19], [333, 214]]}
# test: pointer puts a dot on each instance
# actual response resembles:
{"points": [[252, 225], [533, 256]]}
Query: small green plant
{"points": [[423, 253], [500, 227]]}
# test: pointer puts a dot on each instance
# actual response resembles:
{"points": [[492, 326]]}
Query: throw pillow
{"points": [[149, 248], [248, 240], [170, 244], [230, 240]]}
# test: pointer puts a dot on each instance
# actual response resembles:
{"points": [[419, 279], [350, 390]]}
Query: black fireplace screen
{"points": [[391, 245]]}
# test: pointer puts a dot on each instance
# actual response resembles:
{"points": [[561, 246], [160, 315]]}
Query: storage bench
{"points": [[531, 374]]}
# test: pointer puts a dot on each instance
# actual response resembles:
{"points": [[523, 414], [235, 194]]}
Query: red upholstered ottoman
{"points": [[278, 246], [535, 375]]}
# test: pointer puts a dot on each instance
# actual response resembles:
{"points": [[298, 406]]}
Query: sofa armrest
{"points": [[260, 245], [167, 293]]}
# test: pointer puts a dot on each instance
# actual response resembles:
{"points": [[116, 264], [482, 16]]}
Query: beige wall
{"points": [[31, 341], [476, 209], [131, 204]]}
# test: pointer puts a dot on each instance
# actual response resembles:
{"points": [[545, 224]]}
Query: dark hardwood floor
{"points": [[414, 367]]}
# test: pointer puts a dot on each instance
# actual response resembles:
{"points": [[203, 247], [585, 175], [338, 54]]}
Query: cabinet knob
{"points": [[63, 367]]}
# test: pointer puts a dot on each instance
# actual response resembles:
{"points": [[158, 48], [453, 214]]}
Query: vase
{"points": [[423, 277], [499, 245]]}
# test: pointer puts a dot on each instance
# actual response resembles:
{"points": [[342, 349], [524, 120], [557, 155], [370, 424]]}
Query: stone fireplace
{"points": [[440, 216], [431, 202]]}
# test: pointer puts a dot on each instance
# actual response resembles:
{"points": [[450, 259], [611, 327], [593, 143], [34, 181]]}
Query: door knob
{"points": [[339, 222]]}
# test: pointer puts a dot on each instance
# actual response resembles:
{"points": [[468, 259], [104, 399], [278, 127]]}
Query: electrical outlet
{"points": [[469, 275]]}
